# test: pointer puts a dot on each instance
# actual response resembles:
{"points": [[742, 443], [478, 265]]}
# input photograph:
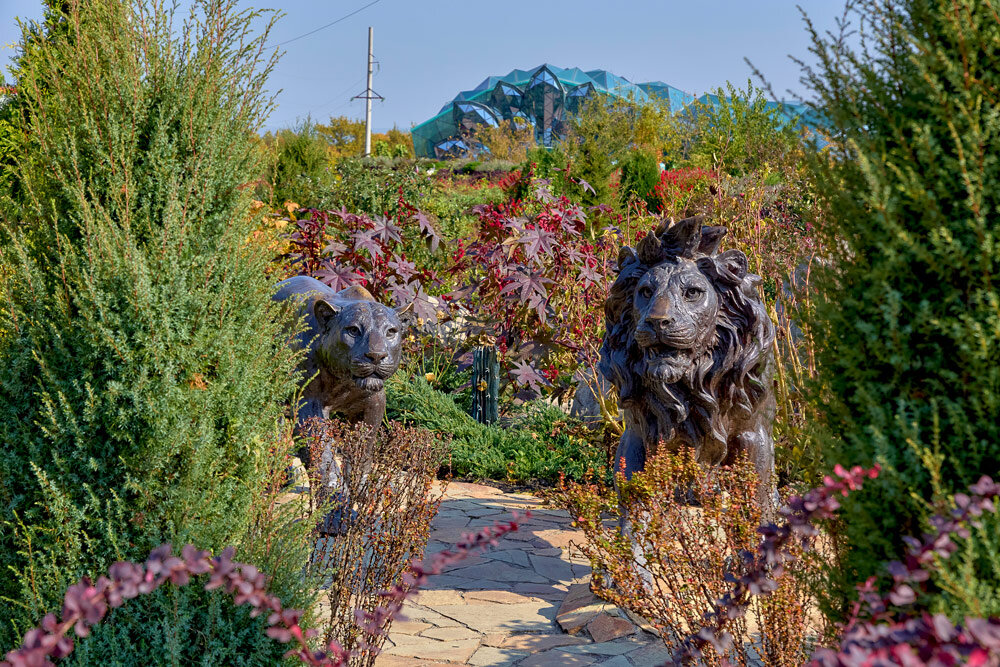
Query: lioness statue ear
{"points": [[405, 313], [324, 311]]}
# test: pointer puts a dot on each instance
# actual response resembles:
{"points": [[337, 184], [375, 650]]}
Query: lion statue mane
{"points": [[689, 346]]}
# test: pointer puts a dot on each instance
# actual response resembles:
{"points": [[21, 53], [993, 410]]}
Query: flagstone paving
{"points": [[500, 608]]}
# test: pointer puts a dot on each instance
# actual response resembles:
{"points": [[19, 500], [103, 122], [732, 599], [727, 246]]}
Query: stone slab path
{"points": [[525, 602]]}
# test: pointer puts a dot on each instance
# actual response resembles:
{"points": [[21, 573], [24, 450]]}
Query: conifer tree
{"points": [[907, 323], [143, 369]]}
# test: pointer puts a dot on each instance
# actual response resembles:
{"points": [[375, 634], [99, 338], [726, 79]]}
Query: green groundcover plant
{"points": [[143, 369], [545, 445], [907, 314]]}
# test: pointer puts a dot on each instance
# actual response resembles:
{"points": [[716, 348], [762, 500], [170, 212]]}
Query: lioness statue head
{"points": [[360, 338], [352, 345], [688, 345]]}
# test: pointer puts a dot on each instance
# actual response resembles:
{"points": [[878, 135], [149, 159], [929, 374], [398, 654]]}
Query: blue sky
{"points": [[429, 50]]}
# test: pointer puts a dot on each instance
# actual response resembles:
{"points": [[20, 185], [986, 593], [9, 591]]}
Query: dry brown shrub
{"points": [[389, 479], [664, 546]]}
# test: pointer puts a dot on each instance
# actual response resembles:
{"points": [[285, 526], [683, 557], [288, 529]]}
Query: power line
{"points": [[343, 92], [323, 27]]}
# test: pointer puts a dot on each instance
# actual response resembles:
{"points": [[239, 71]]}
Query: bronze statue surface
{"points": [[689, 346]]}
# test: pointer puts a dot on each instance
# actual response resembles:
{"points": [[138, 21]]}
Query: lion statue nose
{"points": [[660, 324], [376, 355]]}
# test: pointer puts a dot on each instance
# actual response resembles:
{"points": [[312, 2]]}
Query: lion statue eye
{"points": [[392, 331], [646, 291], [352, 331], [692, 293]]}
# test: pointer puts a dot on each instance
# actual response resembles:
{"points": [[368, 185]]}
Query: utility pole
{"points": [[369, 94]]}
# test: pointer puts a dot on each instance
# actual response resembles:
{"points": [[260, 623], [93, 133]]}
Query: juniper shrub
{"points": [[143, 369], [906, 307]]}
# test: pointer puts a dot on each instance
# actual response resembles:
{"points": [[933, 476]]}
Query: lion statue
{"points": [[352, 346], [689, 346]]}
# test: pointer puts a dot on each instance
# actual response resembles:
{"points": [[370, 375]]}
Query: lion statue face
{"points": [[675, 308], [360, 340]]}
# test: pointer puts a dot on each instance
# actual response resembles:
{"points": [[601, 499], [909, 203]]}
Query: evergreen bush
{"points": [[143, 368], [907, 315], [373, 186], [640, 176], [301, 169], [545, 444], [738, 132]]}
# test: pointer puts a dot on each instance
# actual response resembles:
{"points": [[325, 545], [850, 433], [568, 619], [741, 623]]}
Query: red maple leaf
{"points": [[527, 376], [537, 241], [427, 229], [530, 288]]}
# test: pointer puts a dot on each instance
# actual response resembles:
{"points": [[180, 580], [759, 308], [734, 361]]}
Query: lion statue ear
{"points": [[711, 237], [626, 256], [405, 313], [325, 311], [733, 266]]}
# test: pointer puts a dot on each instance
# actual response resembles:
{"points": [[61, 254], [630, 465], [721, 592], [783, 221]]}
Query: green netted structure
{"points": [[540, 97]]}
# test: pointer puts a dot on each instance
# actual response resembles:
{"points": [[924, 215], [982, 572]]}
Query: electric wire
{"points": [[323, 27]]}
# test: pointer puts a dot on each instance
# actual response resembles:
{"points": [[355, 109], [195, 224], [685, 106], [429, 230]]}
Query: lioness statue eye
{"points": [[392, 331], [692, 293], [352, 331]]}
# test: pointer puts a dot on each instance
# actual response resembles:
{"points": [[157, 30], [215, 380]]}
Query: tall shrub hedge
{"points": [[143, 368], [907, 323]]}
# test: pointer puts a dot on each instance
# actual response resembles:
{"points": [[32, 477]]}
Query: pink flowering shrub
{"points": [[680, 189]]}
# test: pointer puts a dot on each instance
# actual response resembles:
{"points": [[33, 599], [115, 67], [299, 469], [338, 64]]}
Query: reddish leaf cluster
{"points": [[889, 635], [537, 276], [360, 250], [885, 629], [86, 604], [676, 187], [659, 540], [361, 562]]}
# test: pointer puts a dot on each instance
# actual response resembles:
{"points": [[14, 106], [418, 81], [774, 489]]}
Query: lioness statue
{"points": [[688, 345], [352, 346]]}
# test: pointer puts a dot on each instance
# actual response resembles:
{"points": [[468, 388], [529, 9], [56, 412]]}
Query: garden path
{"points": [[513, 604]]}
